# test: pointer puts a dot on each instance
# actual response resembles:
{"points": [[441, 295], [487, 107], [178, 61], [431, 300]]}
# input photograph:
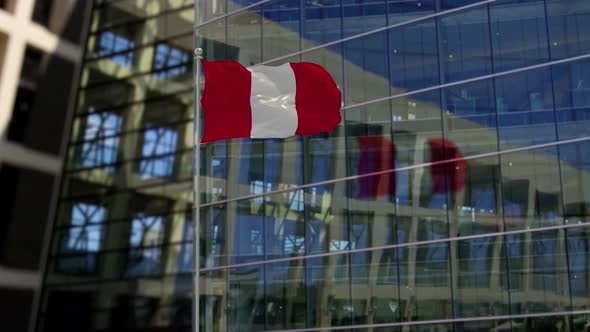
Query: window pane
{"points": [[526, 115], [83, 240], [519, 34], [280, 28], [158, 146], [465, 49], [568, 22], [146, 236], [413, 54]]}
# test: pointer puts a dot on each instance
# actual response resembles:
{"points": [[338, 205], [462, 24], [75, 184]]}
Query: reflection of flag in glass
{"points": [[446, 177], [376, 153]]}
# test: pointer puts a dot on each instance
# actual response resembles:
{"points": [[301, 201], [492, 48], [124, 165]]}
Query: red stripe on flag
{"points": [[317, 99], [226, 101]]}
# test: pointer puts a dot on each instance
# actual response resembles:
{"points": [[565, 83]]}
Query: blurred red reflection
{"points": [[376, 153], [446, 177]]}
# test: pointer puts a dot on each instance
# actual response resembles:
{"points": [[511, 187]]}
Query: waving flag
{"points": [[268, 102]]}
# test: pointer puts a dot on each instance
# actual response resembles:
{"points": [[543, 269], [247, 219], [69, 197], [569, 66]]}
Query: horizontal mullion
{"points": [[400, 169], [139, 47], [122, 23], [122, 249], [115, 191], [395, 246], [438, 321], [120, 162], [136, 75], [123, 220], [75, 143], [136, 102]]}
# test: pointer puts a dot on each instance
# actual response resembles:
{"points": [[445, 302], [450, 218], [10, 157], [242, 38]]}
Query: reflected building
{"points": [[479, 106]]}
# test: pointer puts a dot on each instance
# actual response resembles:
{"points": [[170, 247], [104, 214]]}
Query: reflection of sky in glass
{"points": [[337, 245], [146, 231], [158, 141], [146, 234], [185, 257], [293, 243], [166, 57], [99, 150], [296, 199], [111, 43], [86, 228], [257, 188]]}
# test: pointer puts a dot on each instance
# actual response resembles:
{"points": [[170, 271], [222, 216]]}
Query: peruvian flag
{"points": [[268, 102]]}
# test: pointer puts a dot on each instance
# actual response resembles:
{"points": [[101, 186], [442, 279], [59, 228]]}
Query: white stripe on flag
{"points": [[272, 99]]}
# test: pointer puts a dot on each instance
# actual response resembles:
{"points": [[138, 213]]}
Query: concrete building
{"points": [[40, 55]]}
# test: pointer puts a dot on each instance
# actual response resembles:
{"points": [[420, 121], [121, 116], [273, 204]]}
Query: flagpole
{"points": [[196, 192]]}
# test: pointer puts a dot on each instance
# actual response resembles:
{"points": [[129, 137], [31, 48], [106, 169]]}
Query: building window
{"points": [[110, 43], [145, 242], [169, 61], [21, 113], [42, 11], [158, 148], [22, 110], [100, 143], [82, 242]]}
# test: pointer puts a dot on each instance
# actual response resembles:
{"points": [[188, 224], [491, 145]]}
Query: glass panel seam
{"points": [[395, 170], [401, 245]]}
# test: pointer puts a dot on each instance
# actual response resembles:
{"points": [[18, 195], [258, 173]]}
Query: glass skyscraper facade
{"points": [[481, 108]]}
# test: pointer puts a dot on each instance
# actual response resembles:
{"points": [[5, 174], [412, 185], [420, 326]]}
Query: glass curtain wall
{"points": [[481, 107]]}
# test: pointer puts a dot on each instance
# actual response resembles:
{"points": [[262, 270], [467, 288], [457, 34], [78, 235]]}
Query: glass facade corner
{"points": [[478, 107]]}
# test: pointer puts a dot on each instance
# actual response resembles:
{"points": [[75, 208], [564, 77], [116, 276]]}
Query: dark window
{"points": [[32, 66], [42, 11], [15, 309], [21, 114], [25, 97], [25, 197], [8, 184], [68, 311]]}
